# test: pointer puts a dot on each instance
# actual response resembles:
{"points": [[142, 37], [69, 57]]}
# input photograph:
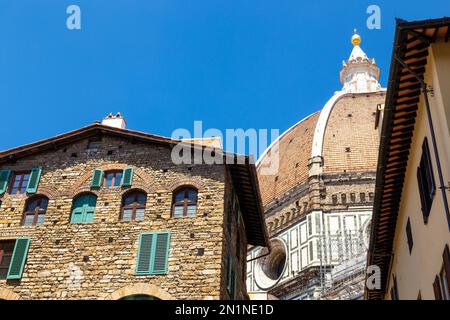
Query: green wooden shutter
{"points": [[127, 177], [144, 254], [77, 215], [97, 177], [233, 294], [33, 183], [239, 217], [18, 258], [89, 208], [83, 209], [4, 180], [160, 253], [229, 271], [153, 253]]}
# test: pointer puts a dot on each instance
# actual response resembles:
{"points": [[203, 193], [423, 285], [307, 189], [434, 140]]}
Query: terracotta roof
{"points": [[294, 152], [243, 175], [76, 135], [411, 43]]}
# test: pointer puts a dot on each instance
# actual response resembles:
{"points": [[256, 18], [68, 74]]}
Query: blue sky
{"points": [[165, 63]]}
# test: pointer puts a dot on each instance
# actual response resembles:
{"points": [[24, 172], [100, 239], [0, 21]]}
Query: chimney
{"points": [[116, 121]]}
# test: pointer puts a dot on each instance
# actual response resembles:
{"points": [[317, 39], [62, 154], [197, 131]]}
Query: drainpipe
{"points": [[433, 136], [269, 248]]}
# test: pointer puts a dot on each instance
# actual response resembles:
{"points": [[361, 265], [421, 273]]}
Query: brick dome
{"points": [[342, 134], [294, 151], [341, 138], [351, 141]]}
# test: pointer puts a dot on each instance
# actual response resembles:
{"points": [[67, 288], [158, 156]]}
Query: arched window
{"points": [[83, 208], [133, 206], [35, 210], [184, 203], [139, 297]]}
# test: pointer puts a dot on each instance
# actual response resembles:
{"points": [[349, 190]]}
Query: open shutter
{"points": [[229, 271], [127, 177], [429, 169], [239, 217], [144, 254], [233, 286], [437, 288], [161, 253], [33, 183], [422, 195], [97, 177], [18, 258], [4, 180], [446, 258]]}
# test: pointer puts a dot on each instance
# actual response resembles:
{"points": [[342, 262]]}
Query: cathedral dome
{"points": [[340, 138], [317, 183]]}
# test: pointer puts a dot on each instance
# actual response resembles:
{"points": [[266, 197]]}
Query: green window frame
{"points": [[83, 208], [153, 253]]}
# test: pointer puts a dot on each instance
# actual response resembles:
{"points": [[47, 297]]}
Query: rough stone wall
{"points": [[92, 261]]}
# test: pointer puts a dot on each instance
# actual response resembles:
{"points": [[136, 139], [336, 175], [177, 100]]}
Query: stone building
{"points": [[103, 213], [411, 223], [318, 204]]}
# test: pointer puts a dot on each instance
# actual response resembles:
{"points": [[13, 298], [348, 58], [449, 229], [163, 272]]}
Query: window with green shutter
{"points": [[83, 209], [5, 175], [18, 258], [33, 182], [127, 177], [97, 178], [153, 253]]}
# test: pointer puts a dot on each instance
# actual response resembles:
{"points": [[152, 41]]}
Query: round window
{"points": [[269, 269]]}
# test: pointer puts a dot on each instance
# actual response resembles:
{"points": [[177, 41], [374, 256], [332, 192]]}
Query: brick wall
{"points": [[351, 141]]}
